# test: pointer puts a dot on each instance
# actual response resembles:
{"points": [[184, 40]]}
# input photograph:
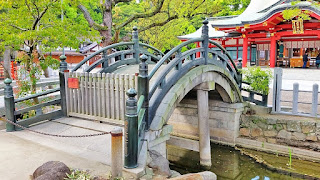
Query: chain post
{"points": [[131, 131], [63, 68], [143, 86], [9, 105], [116, 152], [135, 39], [205, 42]]}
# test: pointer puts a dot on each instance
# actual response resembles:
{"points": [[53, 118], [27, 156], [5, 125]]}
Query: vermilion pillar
{"points": [[273, 47], [198, 53], [245, 51]]}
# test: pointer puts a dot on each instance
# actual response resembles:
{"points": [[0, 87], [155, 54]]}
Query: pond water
{"points": [[227, 164]]}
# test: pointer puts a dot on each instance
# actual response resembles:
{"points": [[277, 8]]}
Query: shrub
{"points": [[257, 78]]}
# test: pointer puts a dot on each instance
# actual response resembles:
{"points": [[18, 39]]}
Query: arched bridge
{"points": [[164, 80]]}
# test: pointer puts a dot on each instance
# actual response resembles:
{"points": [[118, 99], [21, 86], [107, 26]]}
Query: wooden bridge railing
{"points": [[98, 96], [13, 115], [56, 97]]}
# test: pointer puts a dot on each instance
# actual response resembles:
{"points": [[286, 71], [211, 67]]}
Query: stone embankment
{"points": [[289, 130]]}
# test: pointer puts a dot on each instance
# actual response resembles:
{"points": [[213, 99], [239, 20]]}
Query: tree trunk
{"points": [[7, 63], [107, 22]]}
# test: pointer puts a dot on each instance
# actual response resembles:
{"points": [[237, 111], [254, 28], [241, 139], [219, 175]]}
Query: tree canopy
{"points": [[29, 22], [159, 21]]}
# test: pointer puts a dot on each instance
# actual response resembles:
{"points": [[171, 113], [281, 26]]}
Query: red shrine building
{"points": [[261, 36]]}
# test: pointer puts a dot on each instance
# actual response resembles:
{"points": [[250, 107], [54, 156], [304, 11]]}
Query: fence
{"points": [[308, 105], [254, 97], [12, 113], [98, 96]]}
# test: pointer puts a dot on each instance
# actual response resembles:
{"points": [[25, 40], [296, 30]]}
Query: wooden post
{"points": [[9, 105], [273, 48], [131, 131], [6, 62], [239, 66], [205, 41], [143, 87], [135, 39], [116, 152], [204, 131], [295, 98], [315, 100], [277, 83], [63, 67], [245, 51]]}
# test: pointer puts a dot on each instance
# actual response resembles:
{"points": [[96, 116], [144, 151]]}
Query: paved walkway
{"points": [[22, 152]]}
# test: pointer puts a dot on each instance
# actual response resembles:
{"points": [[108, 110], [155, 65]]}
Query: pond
{"points": [[227, 164]]}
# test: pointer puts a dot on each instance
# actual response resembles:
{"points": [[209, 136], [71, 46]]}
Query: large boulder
{"points": [[51, 170], [206, 175], [159, 164]]}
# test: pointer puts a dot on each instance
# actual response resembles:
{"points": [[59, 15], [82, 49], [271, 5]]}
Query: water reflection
{"points": [[227, 164]]}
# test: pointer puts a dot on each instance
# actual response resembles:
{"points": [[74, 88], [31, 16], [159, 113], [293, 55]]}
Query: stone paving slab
{"points": [[20, 157], [94, 148]]}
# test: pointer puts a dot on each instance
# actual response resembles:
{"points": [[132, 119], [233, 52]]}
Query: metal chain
{"points": [[57, 135]]}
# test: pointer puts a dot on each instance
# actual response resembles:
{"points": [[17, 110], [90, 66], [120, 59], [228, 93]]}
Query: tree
{"points": [[34, 27], [295, 12], [167, 18]]}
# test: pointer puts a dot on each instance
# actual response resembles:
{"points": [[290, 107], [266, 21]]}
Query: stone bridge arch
{"points": [[204, 76]]}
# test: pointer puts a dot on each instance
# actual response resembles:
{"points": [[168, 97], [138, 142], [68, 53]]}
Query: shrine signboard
{"points": [[73, 83], [297, 26]]}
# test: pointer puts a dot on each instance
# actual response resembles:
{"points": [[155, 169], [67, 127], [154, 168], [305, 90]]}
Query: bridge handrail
{"points": [[100, 51], [151, 47], [170, 53], [139, 104], [101, 60], [225, 52], [170, 66], [37, 95]]}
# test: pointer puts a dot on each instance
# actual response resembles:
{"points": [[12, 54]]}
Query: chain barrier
{"points": [[57, 135]]}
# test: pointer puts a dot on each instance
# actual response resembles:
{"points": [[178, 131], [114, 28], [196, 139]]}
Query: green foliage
{"points": [[34, 27], [49, 61], [78, 175], [22, 24], [295, 12], [232, 7], [257, 78], [292, 13], [290, 158]]}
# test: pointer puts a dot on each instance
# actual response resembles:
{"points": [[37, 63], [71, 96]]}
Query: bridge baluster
{"points": [[178, 56], [205, 42], [122, 56], [63, 67], [193, 57], [131, 131], [9, 104], [135, 39], [143, 86], [105, 64]]}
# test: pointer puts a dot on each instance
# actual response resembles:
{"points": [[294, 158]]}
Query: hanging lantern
{"points": [[297, 26]]}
